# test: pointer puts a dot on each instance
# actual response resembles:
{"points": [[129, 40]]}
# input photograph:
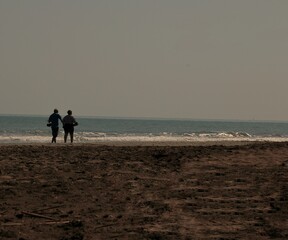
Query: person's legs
{"points": [[65, 136], [68, 130], [55, 134], [71, 132], [52, 135]]}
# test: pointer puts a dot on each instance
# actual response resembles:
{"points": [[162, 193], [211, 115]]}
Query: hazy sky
{"points": [[200, 59]]}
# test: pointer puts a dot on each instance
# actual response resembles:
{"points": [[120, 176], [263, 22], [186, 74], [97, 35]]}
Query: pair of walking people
{"points": [[68, 124]]}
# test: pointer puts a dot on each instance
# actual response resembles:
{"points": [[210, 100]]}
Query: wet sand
{"points": [[134, 191]]}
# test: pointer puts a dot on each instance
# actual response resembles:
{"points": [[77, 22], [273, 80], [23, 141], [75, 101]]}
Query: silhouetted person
{"points": [[68, 124], [53, 121]]}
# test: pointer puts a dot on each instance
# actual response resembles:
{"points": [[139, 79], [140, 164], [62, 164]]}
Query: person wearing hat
{"points": [[68, 124], [53, 122]]}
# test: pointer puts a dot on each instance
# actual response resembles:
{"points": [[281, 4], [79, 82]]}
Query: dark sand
{"points": [[67, 192]]}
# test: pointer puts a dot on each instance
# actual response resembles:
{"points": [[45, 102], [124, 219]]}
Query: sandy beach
{"points": [[140, 191]]}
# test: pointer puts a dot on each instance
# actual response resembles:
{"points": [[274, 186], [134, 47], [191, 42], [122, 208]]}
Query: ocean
{"points": [[33, 129]]}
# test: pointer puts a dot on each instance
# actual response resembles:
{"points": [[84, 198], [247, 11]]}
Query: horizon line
{"points": [[150, 118]]}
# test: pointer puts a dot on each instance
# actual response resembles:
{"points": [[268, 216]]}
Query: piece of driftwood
{"points": [[154, 179], [117, 236], [39, 223], [47, 208], [107, 225], [38, 215], [11, 224], [54, 223]]}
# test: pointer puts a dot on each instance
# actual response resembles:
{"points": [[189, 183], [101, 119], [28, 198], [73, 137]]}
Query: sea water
{"points": [[33, 129]]}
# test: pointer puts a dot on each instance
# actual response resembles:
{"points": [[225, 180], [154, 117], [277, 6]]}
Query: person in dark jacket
{"points": [[68, 124], [53, 122]]}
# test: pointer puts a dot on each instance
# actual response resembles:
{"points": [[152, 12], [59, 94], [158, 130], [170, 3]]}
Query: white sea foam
{"points": [[91, 137], [173, 138], [164, 138], [24, 139]]}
